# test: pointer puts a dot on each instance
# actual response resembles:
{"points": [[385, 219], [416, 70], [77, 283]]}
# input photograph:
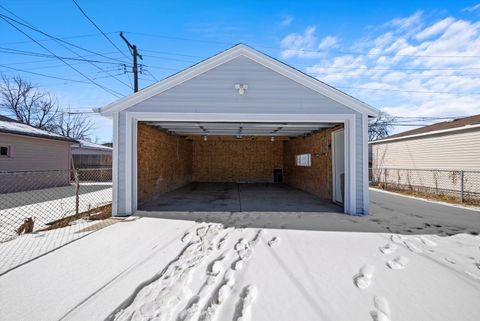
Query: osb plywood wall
{"points": [[236, 160], [164, 162], [316, 179]]}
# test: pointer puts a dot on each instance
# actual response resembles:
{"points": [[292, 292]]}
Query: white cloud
{"points": [[435, 28], [472, 8], [306, 44], [413, 66], [327, 42], [286, 21], [407, 22]]}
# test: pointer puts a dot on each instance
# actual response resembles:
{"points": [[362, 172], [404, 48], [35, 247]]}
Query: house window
{"points": [[5, 150], [304, 160]]}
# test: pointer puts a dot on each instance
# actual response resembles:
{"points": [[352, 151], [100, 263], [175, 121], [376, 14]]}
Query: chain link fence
{"points": [[456, 185], [37, 200]]}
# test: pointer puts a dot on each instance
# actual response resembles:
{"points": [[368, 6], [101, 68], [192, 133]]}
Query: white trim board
{"points": [[132, 118], [226, 56]]}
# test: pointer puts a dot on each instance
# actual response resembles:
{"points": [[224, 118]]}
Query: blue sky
{"points": [[409, 58]]}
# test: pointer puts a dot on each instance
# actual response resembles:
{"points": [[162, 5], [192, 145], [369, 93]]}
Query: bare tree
{"points": [[380, 127], [30, 105], [27, 103], [72, 125]]}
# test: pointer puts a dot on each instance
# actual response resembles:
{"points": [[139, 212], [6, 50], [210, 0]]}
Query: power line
{"points": [[43, 75], [61, 42], [411, 91], [111, 91], [58, 40], [54, 56], [49, 39], [98, 28], [303, 50]]}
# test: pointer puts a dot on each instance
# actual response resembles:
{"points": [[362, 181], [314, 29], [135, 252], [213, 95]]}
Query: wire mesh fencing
{"points": [[457, 185], [36, 200]]}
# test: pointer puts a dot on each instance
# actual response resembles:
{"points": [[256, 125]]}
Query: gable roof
{"points": [[226, 56], [451, 125], [12, 126]]}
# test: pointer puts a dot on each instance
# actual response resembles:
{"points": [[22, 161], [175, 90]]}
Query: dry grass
{"points": [[98, 213]]}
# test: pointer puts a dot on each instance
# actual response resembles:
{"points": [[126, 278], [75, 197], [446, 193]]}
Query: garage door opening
{"points": [[234, 167]]}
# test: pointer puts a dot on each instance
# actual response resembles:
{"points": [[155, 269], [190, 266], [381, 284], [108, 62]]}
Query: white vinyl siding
{"points": [[458, 150], [268, 93]]}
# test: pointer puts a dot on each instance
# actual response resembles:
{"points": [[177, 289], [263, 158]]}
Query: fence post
{"points": [[461, 186], [77, 191], [385, 178]]}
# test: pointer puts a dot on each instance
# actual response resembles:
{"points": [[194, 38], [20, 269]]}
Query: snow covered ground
{"points": [[167, 269], [27, 247], [48, 204]]}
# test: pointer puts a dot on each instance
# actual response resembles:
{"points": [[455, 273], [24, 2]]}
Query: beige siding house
{"points": [[443, 156], [453, 145], [27, 149]]}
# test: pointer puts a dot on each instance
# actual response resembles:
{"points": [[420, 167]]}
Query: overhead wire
{"points": [[99, 29], [111, 91], [64, 43]]}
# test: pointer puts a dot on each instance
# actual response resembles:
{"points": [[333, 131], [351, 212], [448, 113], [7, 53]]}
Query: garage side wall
{"points": [[164, 162], [316, 179], [236, 160]]}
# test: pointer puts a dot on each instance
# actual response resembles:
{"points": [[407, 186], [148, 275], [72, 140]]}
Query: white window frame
{"points": [[303, 160]]}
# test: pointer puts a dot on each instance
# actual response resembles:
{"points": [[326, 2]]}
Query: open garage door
{"points": [[233, 166]]}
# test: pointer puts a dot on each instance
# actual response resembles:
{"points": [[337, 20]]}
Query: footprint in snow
{"points": [[427, 241], [245, 304], [477, 277], [363, 279], [388, 248], [396, 238], [477, 265], [412, 247], [274, 241], [382, 312], [216, 267], [186, 237], [449, 260], [398, 263]]}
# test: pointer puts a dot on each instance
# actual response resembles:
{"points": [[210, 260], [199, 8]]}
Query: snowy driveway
{"points": [[346, 268]]}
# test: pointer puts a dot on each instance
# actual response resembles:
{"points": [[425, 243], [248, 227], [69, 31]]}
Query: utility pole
{"points": [[135, 54]]}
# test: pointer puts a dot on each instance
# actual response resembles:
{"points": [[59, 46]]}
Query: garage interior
{"points": [[234, 167]]}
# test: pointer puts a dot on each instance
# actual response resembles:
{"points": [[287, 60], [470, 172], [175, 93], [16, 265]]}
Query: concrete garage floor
{"points": [[282, 207], [233, 197]]}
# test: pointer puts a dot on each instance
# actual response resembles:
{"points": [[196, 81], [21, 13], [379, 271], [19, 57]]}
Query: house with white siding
{"points": [[24, 148]]}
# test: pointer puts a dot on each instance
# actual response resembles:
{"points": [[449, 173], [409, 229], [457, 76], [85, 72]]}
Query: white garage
{"points": [[239, 121]]}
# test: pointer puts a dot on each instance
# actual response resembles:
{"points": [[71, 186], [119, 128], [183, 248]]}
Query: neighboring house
{"points": [[240, 116], [90, 155], [443, 158], [28, 149], [453, 145]]}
